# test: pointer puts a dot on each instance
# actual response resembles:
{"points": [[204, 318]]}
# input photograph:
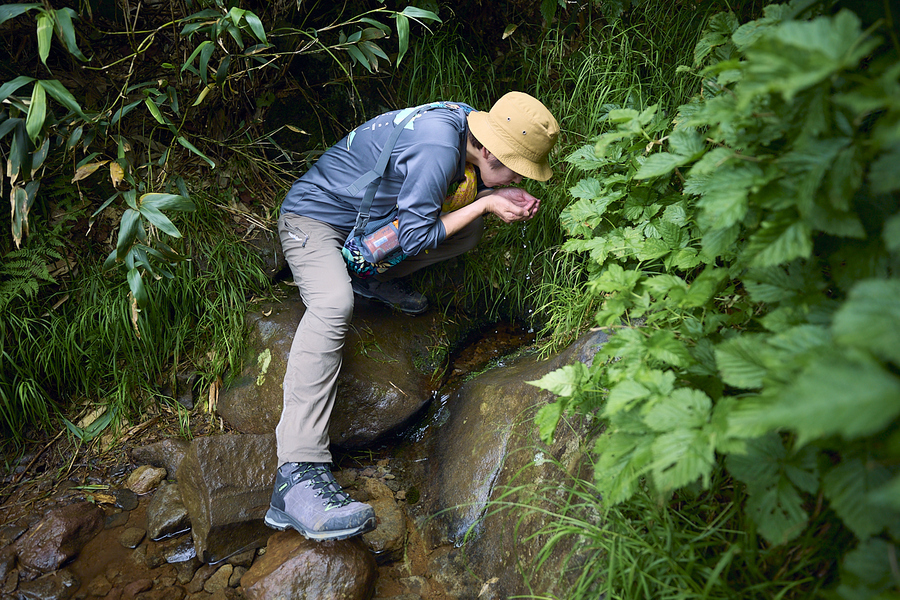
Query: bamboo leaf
{"points": [[86, 170], [167, 202], [44, 35], [10, 87], [159, 220], [154, 110], [128, 232], [37, 112], [59, 93], [11, 11], [256, 26], [183, 141], [63, 18], [136, 284], [359, 57], [402, 36]]}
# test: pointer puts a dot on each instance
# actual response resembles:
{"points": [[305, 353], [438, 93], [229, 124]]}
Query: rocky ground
{"points": [[96, 521]]}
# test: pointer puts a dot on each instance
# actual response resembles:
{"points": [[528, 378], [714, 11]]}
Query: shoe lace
{"points": [[323, 481]]}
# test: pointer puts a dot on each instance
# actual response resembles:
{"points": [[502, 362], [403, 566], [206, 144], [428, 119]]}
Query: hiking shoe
{"points": [[307, 498], [395, 293]]}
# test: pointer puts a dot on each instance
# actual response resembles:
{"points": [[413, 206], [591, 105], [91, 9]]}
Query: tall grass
{"points": [[80, 342]]}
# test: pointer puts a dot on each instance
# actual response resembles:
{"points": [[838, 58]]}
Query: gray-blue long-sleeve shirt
{"points": [[428, 156]]}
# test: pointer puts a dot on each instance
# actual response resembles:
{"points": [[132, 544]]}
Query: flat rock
{"points": [[59, 536]]}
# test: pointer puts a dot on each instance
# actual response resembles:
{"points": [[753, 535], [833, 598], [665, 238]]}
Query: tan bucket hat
{"points": [[520, 132]]}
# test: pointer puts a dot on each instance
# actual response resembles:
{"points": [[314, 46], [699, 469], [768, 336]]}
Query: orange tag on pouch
{"points": [[463, 193]]}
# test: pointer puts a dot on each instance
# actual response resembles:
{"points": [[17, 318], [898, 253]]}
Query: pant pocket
{"points": [[295, 233]]}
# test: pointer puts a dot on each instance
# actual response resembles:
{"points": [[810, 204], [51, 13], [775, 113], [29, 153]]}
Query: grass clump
{"points": [[80, 339]]}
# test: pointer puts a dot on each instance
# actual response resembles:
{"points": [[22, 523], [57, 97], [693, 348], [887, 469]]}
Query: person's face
{"points": [[497, 174]]}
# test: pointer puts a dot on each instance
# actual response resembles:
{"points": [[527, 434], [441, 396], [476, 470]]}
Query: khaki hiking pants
{"points": [[313, 251]]}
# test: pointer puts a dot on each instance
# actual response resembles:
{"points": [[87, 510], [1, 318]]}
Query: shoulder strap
{"points": [[372, 178]]}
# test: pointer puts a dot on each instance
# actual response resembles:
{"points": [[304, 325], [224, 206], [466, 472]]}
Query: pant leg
{"points": [[464, 240], [313, 251]]}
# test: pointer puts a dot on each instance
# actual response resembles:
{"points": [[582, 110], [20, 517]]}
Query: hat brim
{"points": [[481, 127]]}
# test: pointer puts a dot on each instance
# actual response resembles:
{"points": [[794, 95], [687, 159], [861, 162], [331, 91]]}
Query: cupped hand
{"points": [[519, 198]]}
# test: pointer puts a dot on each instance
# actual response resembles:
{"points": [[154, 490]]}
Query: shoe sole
{"points": [[280, 520]]}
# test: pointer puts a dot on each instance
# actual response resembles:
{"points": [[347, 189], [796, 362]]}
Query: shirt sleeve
{"points": [[427, 170]]}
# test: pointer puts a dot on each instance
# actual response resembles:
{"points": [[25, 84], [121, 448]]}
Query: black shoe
{"points": [[394, 293]]}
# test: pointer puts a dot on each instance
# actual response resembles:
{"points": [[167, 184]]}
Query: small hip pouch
{"points": [[368, 254]]}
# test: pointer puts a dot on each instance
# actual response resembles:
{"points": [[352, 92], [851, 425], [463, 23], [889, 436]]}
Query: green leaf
{"points": [[740, 362], [548, 10], [37, 112], [623, 459], [870, 318], [154, 110], [547, 418], [680, 457], [565, 381], [659, 164], [128, 232], [183, 141], [159, 220], [358, 57], [847, 487], [778, 241], [686, 143], [837, 396], [136, 284], [167, 202], [420, 13], [891, 233], [884, 176], [402, 36], [256, 26], [685, 408], [11, 11], [624, 396], [778, 512], [63, 18], [44, 35], [59, 93], [10, 87]]}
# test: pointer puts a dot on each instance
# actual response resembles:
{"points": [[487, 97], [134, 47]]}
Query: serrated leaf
{"points": [[836, 396], [624, 395], [623, 459], [847, 487], [547, 418], [778, 512], [659, 164], [779, 241], [884, 176], [687, 143], [891, 233], [564, 381], [740, 362], [682, 457], [685, 408], [870, 318]]}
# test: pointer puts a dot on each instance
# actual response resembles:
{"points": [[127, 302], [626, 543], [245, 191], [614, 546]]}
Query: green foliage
{"points": [[755, 237]]}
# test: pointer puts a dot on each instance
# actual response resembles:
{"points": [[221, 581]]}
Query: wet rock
{"points": [[11, 533], [115, 520], [167, 453], [166, 514], [387, 540], [179, 550], [125, 499], [200, 577], [219, 579], [59, 536], [294, 567], [144, 478], [489, 445], [236, 574], [166, 593], [99, 586], [242, 559], [7, 562], [416, 585], [132, 537], [226, 485], [136, 587], [379, 384], [60, 585], [11, 583], [142, 557], [184, 571]]}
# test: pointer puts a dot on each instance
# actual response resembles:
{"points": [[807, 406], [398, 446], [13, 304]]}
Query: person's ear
{"points": [[485, 153]]}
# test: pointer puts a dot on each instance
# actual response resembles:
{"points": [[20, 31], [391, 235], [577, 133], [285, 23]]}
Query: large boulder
{"points": [[294, 567], [226, 485], [383, 382], [488, 449]]}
